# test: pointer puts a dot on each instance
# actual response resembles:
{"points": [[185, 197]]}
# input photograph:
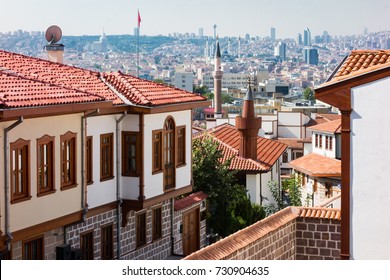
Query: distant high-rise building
{"points": [[247, 37], [280, 51], [325, 37], [299, 39], [229, 47], [306, 37], [273, 33], [200, 32], [311, 56]]}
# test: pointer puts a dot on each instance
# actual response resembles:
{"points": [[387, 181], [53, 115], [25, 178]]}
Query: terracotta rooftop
{"points": [[55, 74], [330, 127], [268, 151], [56, 83], [317, 165], [189, 200], [293, 143], [18, 92], [323, 118], [361, 61], [146, 93], [240, 239]]}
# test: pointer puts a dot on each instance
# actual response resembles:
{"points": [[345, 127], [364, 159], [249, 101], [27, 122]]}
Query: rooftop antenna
{"points": [[55, 51], [53, 34]]}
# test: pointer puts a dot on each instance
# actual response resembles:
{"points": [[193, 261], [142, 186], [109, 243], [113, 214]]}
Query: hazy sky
{"points": [[233, 18]]}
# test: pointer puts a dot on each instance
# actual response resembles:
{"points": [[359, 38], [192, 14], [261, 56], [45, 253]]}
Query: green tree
{"points": [[227, 98], [159, 81], [229, 206], [308, 94], [288, 195], [201, 89]]}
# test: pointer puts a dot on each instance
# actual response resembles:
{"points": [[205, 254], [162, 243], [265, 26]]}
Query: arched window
{"points": [[169, 153]]}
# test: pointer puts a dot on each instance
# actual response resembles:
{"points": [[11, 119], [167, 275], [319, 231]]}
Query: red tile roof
{"points": [[292, 143], [361, 61], [317, 165], [56, 74], [146, 93], [268, 151], [330, 127], [18, 92], [116, 87], [189, 200], [224, 248]]}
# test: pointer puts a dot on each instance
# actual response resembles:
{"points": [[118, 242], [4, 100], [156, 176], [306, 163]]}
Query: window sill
{"points": [[129, 175], [17, 200], [107, 178], [90, 183], [64, 188], [156, 172], [46, 193], [181, 165]]}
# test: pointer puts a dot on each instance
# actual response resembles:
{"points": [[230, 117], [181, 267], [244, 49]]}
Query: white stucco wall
{"points": [[323, 151], [101, 192], [370, 191], [45, 208], [154, 183]]}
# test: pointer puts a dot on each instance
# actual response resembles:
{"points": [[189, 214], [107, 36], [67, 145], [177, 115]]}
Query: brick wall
{"points": [[276, 245], [52, 239], [318, 239]]}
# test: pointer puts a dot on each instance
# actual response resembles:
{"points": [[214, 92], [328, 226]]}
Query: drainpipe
{"points": [[118, 195], [83, 187], [6, 185]]}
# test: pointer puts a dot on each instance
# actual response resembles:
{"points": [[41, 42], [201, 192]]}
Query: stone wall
{"points": [[318, 239]]}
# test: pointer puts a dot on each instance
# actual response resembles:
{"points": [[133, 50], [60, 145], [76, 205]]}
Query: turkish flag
{"points": [[139, 20]]}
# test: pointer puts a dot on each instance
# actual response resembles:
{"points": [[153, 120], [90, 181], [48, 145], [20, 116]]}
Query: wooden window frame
{"points": [[169, 154], [330, 143], [157, 155], [285, 157], [107, 163], [157, 223], [316, 140], [320, 141], [68, 138], [20, 150], [27, 254], [141, 229], [181, 145], [89, 160], [126, 156], [48, 142], [107, 242], [87, 252]]}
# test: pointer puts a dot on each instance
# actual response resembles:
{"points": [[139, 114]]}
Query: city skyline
{"points": [[256, 18]]}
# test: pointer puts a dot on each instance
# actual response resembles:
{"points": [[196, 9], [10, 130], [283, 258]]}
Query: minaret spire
{"points": [[248, 125], [217, 74]]}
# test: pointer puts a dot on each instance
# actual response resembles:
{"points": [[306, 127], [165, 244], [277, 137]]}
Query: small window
{"points": [[285, 157], [330, 143], [86, 245], [20, 170], [107, 242], [45, 165], [68, 160], [181, 145], [157, 151], [157, 225], [328, 190], [89, 160], [316, 142], [319, 141], [106, 156], [141, 229], [33, 249], [130, 153]]}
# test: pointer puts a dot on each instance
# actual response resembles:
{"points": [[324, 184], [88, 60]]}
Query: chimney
{"points": [[248, 125], [54, 50], [217, 74]]}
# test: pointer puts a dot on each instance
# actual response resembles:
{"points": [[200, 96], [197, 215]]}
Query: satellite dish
{"points": [[53, 34]]}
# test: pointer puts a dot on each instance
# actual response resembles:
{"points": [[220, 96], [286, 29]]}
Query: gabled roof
{"points": [[56, 75], [329, 127], [146, 93], [268, 151], [292, 143], [317, 165], [28, 81]]}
